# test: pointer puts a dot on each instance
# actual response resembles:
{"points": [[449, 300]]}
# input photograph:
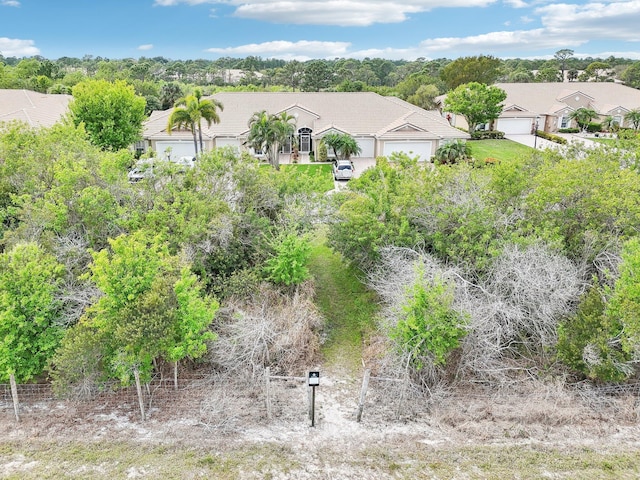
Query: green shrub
{"points": [[288, 265], [429, 329], [594, 127], [487, 134], [586, 341], [569, 130], [551, 137]]}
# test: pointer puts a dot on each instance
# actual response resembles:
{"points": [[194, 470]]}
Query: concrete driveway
{"points": [[539, 143]]}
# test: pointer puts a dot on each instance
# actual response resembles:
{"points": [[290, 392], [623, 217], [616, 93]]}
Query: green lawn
{"points": [[348, 306], [502, 150]]}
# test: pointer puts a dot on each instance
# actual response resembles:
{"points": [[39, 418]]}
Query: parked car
{"points": [[342, 170], [141, 169]]}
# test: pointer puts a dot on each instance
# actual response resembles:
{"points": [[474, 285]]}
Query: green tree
{"points": [[583, 117], [480, 69], [631, 75], [633, 117], [29, 333], [342, 144], [317, 76], [190, 111], [288, 264], [598, 71], [170, 93], [476, 102], [268, 133], [111, 113], [425, 97], [562, 56]]}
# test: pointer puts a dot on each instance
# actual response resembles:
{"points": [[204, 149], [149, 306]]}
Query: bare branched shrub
{"points": [[268, 329], [515, 314]]}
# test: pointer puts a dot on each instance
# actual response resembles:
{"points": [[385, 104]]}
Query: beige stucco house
{"points": [[380, 125], [549, 105], [33, 108]]}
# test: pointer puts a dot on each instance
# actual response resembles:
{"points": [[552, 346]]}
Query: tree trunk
{"points": [[195, 139], [14, 395], [175, 375], [136, 374]]}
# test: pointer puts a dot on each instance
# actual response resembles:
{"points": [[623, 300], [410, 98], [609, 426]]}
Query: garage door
{"points": [[515, 126], [178, 149], [367, 146], [412, 149]]}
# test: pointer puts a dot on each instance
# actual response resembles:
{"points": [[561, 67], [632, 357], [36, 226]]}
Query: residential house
{"points": [[548, 105], [33, 108], [380, 125]]}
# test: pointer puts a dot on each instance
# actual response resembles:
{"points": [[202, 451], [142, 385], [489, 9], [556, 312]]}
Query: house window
{"points": [[564, 122], [618, 119]]}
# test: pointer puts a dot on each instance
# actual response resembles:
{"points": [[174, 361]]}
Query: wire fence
{"points": [[227, 403]]}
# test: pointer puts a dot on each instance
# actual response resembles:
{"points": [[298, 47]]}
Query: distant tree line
{"points": [[162, 81]]}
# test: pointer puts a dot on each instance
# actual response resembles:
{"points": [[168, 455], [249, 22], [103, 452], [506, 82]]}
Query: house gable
{"points": [[576, 99]]}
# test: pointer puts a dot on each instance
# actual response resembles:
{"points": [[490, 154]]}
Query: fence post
{"points": [[136, 374], [14, 396], [267, 389], [363, 393]]}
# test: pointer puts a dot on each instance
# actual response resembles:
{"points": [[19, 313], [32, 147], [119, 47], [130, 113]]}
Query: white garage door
{"points": [[412, 149], [178, 149], [367, 146], [227, 142], [514, 126]]}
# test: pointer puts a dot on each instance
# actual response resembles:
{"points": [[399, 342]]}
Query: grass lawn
{"points": [[502, 150], [348, 306]]}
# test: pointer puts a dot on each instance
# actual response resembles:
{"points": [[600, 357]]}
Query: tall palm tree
{"points": [[267, 133], [583, 116], [181, 118], [190, 111]]}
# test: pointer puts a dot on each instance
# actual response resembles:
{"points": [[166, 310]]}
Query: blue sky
{"points": [[308, 29]]}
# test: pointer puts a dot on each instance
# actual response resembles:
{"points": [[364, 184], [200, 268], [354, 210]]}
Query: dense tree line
{"points": [[162, 81]]}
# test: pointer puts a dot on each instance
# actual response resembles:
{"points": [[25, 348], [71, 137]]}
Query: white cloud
{"points": [[301, 50], [10, 3], [516, 3], [616, 20], [147, 46], [14, 47]]}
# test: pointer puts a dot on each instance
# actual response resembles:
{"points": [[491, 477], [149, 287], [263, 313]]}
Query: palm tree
{"points": [[267, 133], [633, 117], [610, 124], [181, 118], [583, 116], [342, 144], [190, 111]]}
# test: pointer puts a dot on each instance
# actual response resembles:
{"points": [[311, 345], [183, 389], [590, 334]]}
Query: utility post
{"points": [[314, 381], [535, 134]]}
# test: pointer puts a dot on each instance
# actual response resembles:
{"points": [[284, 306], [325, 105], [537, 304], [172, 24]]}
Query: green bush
{"points": [[569, 130], [551, 137], [594, 127], [430, 329], [487, 134], [585, 341], [288, 265]]}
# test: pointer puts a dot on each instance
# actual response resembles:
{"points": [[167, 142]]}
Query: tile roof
{"points": [[357, 113], [547, 98], [34, 108]]}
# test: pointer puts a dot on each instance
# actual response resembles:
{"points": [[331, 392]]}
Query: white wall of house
{"points": [[225, 142]]}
